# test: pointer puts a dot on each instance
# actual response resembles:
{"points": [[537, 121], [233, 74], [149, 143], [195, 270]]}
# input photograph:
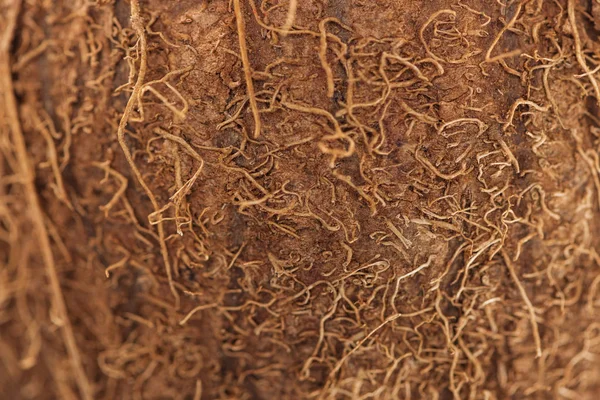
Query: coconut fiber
{"points": [[299, 199]]}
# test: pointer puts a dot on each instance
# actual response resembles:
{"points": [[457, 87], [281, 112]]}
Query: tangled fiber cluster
{"points": [[282, 199]]}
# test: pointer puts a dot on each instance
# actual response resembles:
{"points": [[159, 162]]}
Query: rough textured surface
{"points": [[299, 199]]}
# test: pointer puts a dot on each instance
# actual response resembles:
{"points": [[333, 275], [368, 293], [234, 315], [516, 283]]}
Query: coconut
{"points": [[281, 199]]}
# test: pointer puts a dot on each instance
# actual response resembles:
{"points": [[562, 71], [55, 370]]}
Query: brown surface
{"points": [[407, 207]]}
